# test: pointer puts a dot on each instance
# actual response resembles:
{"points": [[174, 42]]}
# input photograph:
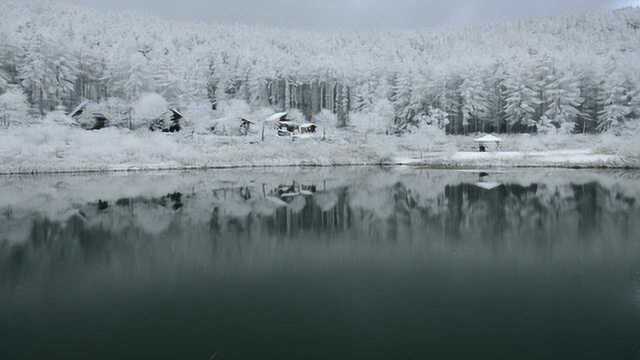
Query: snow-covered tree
{"points": [[563, 101], [14, 107], [516, 77], [148, 108], [58, 117], [137, 78], [616, 99], [475, 106], [520, 103]]}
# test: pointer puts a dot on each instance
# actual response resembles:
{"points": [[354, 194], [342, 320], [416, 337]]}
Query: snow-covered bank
{"points": [[558, 158], [60, 149]]}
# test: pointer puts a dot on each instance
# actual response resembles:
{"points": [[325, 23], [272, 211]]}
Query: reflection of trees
{"points": [[507, 219]]}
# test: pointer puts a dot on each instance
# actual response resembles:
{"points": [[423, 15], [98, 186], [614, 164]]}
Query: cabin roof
{"points": [[79, 108], [488, 139], [176, 111], [277, 116]]}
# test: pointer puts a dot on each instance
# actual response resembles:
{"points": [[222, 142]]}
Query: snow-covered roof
{"points": [[488, 139], [79, 108], [488, 185], [176, 111], [277, 116]]}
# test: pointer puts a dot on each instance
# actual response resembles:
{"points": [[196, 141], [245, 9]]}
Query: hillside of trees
{"points": [[577, 74]]}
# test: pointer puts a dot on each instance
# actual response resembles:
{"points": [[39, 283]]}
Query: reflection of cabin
{"points": [[289, 191], [488, 185], [168, 122], [89, 120], [5, 80]]}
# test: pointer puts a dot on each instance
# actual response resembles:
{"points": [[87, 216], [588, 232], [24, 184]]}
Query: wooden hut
{"points": [[169, 121], [488, 143], [88, 119]]}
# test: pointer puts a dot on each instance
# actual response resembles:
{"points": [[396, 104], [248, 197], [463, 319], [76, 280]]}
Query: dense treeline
{"points": [[578, 73]]}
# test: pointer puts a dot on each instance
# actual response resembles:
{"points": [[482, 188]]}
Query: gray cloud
{"points": [[358, 14]]}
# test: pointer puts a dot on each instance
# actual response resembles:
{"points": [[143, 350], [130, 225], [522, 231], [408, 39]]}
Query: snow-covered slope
{"points": [[581, 72]]}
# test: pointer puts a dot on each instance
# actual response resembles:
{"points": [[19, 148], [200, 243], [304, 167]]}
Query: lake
{"points": [[353, 263]]}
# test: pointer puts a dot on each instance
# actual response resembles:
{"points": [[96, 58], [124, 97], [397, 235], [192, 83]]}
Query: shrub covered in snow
{"points": [[326, 119], [230, 114], [58, 117], [148, 107], [116, 110], [14, 107], [379, 119], [199, 117]]}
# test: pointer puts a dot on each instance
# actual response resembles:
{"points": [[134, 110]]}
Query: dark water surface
{"points": [[321, 264]]}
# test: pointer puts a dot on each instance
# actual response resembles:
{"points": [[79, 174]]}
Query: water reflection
{"points": [[553, 237], [485, 218]]}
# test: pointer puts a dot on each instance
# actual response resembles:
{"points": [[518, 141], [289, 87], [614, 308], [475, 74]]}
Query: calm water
{"points": [[321, 264]]}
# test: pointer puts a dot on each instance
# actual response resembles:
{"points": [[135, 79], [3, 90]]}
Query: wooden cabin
{"points": [[168, 122], [245, 126], [287, 127], [88, 119]]}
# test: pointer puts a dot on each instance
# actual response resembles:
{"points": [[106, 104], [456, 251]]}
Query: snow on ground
{"points": [[559, 158], [40, 149]]}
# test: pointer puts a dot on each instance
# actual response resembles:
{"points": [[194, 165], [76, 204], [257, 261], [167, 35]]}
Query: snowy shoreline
{"points": [[40, 150], [460, 160]]}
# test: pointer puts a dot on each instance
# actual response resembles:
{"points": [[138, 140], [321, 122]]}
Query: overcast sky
{"points": [[358, 14]]}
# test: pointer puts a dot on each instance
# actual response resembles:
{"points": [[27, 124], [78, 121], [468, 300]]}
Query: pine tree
{"points": [[475, 102], [564, 101], [137, 77], [591, 108], [14, 107], [520, 104], [166, 78], [36, 73], [616, 100]]}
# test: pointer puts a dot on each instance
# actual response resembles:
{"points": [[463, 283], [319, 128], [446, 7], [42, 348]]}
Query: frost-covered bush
{"points": [[14, 107], [326, 119], [149, 107], [296, 115], [116, 110], [437, 118], [58, 117], [622, 141], [234, 108], [230, 114], [199, 117], [379, 119]]}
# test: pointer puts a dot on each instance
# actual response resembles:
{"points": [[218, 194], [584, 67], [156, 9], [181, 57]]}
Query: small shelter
{"points": [[284, 126], [87, 119], [169, 121], [245, 126], [308, 128], [488, 143]]}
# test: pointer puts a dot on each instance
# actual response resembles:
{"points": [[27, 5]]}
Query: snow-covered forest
{"points": [[576, 74]]}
